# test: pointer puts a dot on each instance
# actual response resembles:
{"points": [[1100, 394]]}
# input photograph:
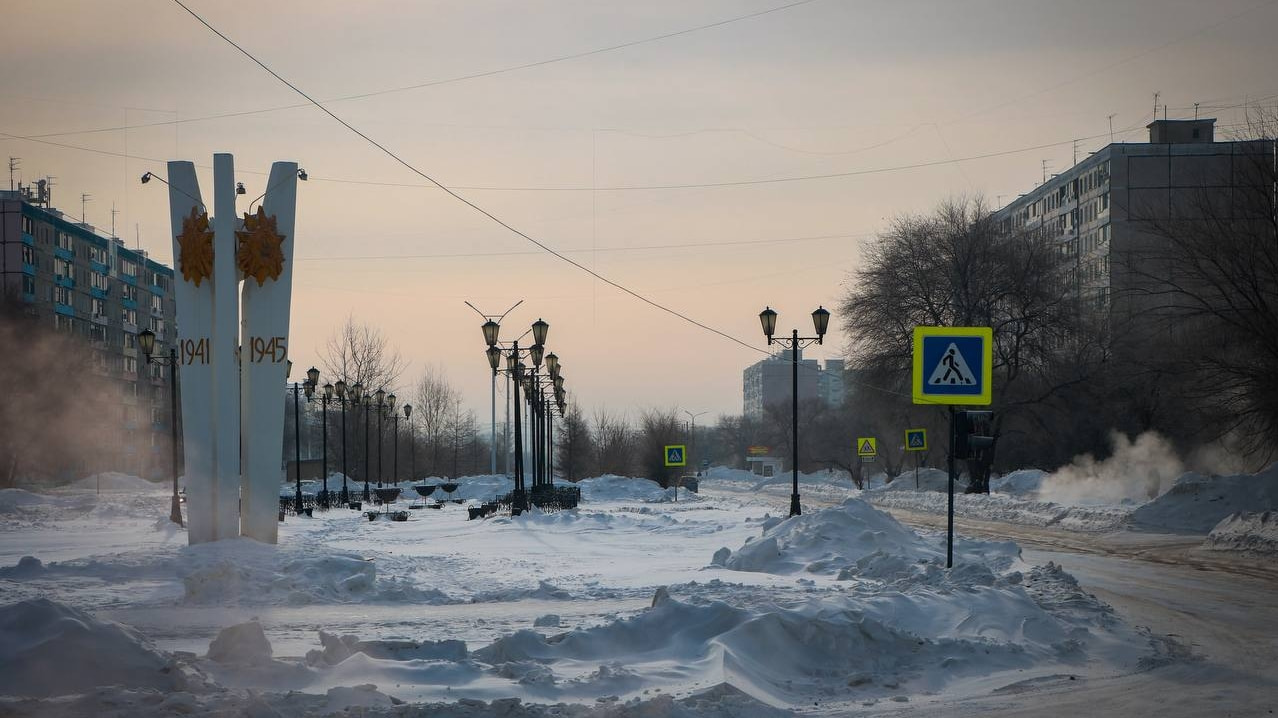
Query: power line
{"points": [[458, 197], [445, 81]]}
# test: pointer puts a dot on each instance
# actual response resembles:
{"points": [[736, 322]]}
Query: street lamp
{"points": [[412, 443], [340, 387], [820, 322], [380, 397], [358, 397], [146, 341], [390, 409], [297, 443]]}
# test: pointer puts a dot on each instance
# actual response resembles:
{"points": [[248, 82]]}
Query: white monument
{"points": [[232, 347]]}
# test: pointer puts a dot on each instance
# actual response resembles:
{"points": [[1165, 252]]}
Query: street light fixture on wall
{"points": [[820, 322]]}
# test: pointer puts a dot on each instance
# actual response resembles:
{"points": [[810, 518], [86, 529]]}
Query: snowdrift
{"points": [[115, 481], [49, 649], [1196, 503], [1253, 532]]}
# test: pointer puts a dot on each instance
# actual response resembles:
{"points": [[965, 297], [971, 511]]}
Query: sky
{"points": [[906, 104]]}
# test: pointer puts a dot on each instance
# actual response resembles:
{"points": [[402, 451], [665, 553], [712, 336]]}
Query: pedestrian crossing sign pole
{"points": [[952, 365], [916, 439], [677, 455]]}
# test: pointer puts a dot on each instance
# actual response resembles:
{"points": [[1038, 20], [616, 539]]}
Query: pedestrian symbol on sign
{"points": [[952, 369], [867, 447], [916, 440], [676, 455]]}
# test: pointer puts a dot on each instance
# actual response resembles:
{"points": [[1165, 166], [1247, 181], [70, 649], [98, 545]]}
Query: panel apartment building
{"points": [[76, 280], [1098, 213], [771, 381]]}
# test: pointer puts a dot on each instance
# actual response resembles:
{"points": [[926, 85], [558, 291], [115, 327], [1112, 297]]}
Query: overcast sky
{"points": [[818, 88]]}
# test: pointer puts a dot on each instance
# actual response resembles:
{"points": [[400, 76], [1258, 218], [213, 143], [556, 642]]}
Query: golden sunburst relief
{"points": [[195, 246], [260, 254]]}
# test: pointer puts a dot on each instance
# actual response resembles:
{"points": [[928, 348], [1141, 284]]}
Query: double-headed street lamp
{"points": [[312, 378], [297, 440], [517, 371], [358, 398], [146, 341], [385, 405], [820, 321]]}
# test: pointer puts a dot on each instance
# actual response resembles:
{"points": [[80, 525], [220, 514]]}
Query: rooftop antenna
{"points": [[1076, 151], [84, 199], [1044, 171], [14, 164], [137, 236], [48, 191], [114, 212], [1156, 94], [1111, 128], [1195, 112]]}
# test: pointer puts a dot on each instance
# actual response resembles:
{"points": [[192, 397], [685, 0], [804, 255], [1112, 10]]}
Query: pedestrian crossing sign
{"points": [[953, 365], [916, 439], [676, 455], [867, 447]]}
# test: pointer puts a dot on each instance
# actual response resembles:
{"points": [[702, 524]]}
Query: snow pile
{"points": [[244, 572], [13, 501], [1024, 483], [338, 648], [1196, 503], [241, 643], [1244, 531], [621, 488], [50, 649], [928, 480], [855, 540], [115, 481], [1005, 509]]}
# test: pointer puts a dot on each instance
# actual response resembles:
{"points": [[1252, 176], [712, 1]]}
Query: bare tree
{"points": [[435, 402], [613, 444], [573, 444], [360, 353], [955, 268], [659, 428]]}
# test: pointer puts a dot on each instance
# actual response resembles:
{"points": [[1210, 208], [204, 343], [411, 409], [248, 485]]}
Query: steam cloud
{"points": [[1137, 470]]}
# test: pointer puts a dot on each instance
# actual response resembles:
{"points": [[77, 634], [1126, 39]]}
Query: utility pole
{"points": [[14, 164]]}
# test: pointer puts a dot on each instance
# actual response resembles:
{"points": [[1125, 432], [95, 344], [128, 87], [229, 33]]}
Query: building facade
{"points": [[771, 381], [1101, 214], [91, 286]]}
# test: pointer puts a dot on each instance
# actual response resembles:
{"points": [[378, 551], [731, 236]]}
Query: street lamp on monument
{"points": [[146, 341], [820, 321]]}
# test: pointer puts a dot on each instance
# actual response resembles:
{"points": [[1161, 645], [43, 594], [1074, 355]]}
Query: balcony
{"points": [[62, 253], [64, 281], [28, 239], [65, 310]]}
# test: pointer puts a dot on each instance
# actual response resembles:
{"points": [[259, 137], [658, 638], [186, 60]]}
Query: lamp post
{"points": [[297, 446], [412, 443], [390, 408], [692, 432], [820, 321], [380, 396], [491, 328], [340, 388], [146, 340], [359, 397], [516, 375]]}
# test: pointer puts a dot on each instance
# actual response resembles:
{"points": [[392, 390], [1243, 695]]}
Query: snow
{"points": [[630, 605], [115, 481], [1246, 531], [1196, 503]]}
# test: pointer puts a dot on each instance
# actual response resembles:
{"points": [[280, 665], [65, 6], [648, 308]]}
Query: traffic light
{"points": [[974, 432]]}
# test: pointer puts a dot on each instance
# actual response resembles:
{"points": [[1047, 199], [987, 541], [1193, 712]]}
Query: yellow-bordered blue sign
{"points": [[953, 365], [867, 447], [676, 455], [916, 439]]}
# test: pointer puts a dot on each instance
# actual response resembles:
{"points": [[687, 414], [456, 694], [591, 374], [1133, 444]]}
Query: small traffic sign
{"points": [[867, 447], [916, 439], [676, 455], [953, 365]]}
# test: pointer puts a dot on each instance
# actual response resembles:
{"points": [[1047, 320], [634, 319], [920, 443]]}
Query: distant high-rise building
{"points": [[771, 381], [96, 289]]}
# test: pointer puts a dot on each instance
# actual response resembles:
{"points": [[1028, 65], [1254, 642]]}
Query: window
{"points": [[98, 280], [63, 240], [130, 341], [129, 316], [28, 284], [28, 255], [28, 226], [131, 367], [97, 254], [98, 333], [62, 268], [157, 326], [98, 307], [129, 267], [157, 303], [63, 324], [129, 292], [62, 295]]}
